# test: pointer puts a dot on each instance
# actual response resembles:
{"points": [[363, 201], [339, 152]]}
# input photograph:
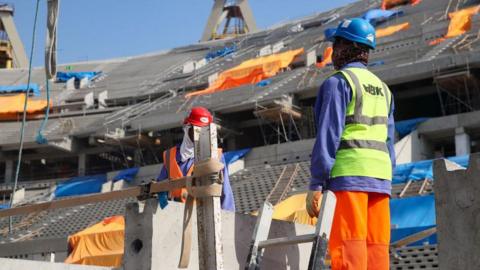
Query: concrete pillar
{"points": [[458, 213], [462, 142], [153, 239], [8, 171], [82, 164]]}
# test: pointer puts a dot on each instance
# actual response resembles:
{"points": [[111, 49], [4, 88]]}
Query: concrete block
{"points": [[201, 63], [188, 67], [278, 47], [70, 84], [102, 97], [153, 240], [412, 148], [84, 82], [89, 100], [311, 58], [236, 166], [458, 214], [267, 50], [107, 187], [119, 185], [212, 78], [19, 196]]}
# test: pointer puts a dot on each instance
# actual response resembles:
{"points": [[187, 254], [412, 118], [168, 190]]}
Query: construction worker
{"points": [[178, 161], [353, 155]]}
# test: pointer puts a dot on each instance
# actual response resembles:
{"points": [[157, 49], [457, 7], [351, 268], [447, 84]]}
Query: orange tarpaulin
{"points": [[100, 244], [388, 4], [460, 23], [387, 31], [293, 209], [14, 104], [250, 72], [326, 58]]}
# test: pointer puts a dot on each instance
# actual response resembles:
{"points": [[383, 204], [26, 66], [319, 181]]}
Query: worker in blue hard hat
{"points": [[353, 155]]}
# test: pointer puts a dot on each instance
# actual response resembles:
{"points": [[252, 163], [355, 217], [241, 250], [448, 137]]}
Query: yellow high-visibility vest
{"points": [[363, 146]]}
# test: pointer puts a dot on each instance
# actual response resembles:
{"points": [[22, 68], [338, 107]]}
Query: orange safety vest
{"points": [[174, 172]]}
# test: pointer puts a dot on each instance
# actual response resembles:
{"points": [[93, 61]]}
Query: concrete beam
{"points": [[458, 213], [33, 247], [153, 240]]}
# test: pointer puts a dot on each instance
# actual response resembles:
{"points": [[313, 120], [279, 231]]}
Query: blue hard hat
{"points": [[356, 30]]}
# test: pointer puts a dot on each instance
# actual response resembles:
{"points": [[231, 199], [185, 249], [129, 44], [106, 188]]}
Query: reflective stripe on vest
{"points": [[363, 150], [174, 171]]}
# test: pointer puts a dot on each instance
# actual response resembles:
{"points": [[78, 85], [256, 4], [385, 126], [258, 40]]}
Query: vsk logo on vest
{"points": [[373, 90]]}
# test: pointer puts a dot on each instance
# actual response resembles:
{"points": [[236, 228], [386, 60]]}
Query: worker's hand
{"points": [[313, 203]]}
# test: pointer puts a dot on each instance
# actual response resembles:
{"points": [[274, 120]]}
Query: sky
{"points": [[102, 29]]}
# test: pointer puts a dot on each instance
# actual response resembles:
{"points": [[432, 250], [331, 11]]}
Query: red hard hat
{"points": [[199, 116]]}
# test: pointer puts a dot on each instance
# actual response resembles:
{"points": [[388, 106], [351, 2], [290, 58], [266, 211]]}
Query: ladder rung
{"points": [[287, 240]]}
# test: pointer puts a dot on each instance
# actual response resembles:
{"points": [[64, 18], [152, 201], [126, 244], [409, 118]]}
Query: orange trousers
{"points": [[360, 235]]}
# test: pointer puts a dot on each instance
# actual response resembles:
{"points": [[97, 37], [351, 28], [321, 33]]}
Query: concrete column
{"points": [[8, 171], [82, 164], [458, 213], [462, 142]]}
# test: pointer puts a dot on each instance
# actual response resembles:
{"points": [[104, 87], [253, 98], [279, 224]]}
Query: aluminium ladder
{"points": [[319, 238]]}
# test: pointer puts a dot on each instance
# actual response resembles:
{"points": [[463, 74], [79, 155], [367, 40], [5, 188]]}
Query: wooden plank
{"points": [[71, 202], [414, 238], [404, 190], [210, 249]]}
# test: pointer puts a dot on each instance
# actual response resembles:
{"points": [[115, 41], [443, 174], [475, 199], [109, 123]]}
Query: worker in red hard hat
{"points": [[178, 161]]}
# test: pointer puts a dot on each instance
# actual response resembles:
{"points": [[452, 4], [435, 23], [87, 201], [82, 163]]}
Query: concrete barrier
{"points": [[457, 203], [153, 240]]}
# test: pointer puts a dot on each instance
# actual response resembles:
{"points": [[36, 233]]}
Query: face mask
{"points": [[187, 146]]}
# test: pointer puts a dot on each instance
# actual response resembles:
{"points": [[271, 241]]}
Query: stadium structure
{"points": [[108, 116]]}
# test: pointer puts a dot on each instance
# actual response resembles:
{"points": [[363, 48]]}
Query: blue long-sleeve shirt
{"points": [[330, 111], [227, 200]]}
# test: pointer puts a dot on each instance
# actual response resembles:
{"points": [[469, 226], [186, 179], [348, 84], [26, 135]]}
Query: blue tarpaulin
{"points": [[80, 185], [4, 206], [411, 215], [34, 88], [412, 212], [127, 175], [221, 53], [264, 83], [233, 156], [406, 126], [375, 16], [421, 170], [65, 76]]}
